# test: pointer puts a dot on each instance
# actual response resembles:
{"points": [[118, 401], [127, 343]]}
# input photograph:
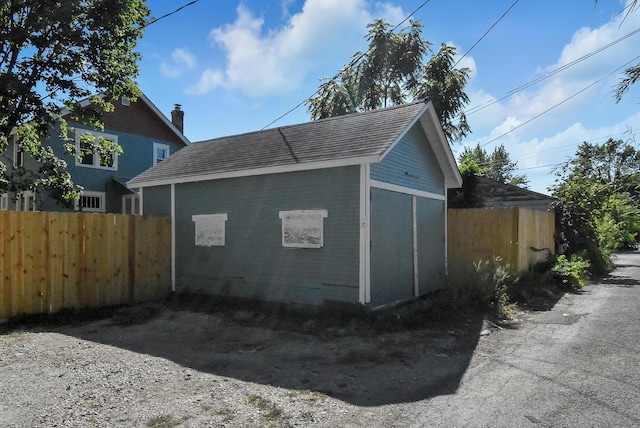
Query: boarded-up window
{"points": [[303, 228], [210, 229]]}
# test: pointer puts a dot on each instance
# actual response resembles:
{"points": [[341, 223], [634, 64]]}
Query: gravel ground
{"points": [[191, 369]]}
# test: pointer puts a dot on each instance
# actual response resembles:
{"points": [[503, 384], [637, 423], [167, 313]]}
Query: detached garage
{"points": [[349, 209]]}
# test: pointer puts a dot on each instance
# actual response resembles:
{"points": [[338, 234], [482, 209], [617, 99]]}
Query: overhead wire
{"points": [[486, 32], [166, 15], [561, 102], [549, 74], [351, 63]]}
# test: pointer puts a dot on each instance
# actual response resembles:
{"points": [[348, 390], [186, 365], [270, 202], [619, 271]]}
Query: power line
{"points": [[561, 102], [166, 15], [486, 32], [351, 64], [551, 73]]}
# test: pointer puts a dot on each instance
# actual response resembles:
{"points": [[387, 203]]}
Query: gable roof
{"points": [[156, 111], [338, 141], [496, 194]]}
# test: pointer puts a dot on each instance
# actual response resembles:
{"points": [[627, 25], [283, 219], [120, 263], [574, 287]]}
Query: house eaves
{"points": [[356, 139]]}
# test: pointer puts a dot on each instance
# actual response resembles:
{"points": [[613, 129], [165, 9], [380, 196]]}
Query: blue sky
{"points": [[236, 67]]}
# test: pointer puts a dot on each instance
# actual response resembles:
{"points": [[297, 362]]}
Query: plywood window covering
{"points": [[303, 228], [210, 230]]}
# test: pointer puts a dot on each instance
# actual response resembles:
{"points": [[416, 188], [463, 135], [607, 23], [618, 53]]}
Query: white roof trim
{"points": [[305, 166], [406, 190], [164, 118], [441, 148], [85, 102], [404, 132]]}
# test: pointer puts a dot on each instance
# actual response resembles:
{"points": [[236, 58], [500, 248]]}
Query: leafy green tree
{"points": [[597, 200], [393, 72], [53, 54], [497, 166]]}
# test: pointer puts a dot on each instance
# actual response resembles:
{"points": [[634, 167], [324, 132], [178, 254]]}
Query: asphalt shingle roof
{"points": [[345, 137]]}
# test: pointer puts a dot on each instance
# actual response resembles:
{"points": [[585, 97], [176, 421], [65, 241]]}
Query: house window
{"points": [[131, 204], [303, 228], [87, 147], [4, 201], [18, 153], [26, 201], [210, 230], [160, 152], [126, 101], [91, 202]]}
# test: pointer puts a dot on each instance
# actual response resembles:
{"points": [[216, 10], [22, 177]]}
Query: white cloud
{"points": [[209, 81], [182, 60], [261, 61], [561, 98]]}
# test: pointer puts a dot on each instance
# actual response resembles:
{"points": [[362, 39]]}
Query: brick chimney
{"points": [[177, 118]]}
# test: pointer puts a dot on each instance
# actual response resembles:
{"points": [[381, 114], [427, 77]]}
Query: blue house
{"points": [[349, 209], [146, 136]]}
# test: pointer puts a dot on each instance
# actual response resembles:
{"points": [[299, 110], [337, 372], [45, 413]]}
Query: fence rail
{"points": [[520, 236], [50, 261]]}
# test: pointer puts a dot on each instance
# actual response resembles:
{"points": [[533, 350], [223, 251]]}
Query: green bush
{"points": [[573, 272]]}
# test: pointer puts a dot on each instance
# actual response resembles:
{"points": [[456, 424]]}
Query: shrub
{"points": [[573, 272]]}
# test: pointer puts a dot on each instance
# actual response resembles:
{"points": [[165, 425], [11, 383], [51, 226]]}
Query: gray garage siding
{"points": [[157, 200], [430, 221], [253, 263], [411, 163]]}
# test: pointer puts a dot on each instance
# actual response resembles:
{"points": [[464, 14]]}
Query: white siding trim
{"points": [[307, 166], [414, 214], [173, 237], [406, 190], [140, 191], [365, 235], [446, 236]]}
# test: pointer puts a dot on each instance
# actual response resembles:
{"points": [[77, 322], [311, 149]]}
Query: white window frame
{"points": [[101, 197], [165, 149], [134, 202], [4, 201], [96, 159], [210, 230], [26, 201], [18, 153], [303, 228]]}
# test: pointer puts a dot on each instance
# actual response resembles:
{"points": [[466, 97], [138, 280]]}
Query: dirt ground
{"points": [[256, 368]]}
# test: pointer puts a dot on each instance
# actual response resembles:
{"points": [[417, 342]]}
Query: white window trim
{"points": [[4, 201], [26, 201], [18, 153], [301, 221], [136, 204], [96, 159], [210, 230], [102, 197], [163, 147]]}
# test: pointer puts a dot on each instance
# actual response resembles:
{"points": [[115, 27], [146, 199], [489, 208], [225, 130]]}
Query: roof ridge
{"points": [[323, 120]]}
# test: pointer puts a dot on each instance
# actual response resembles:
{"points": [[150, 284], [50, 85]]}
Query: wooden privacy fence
{"points": [[54, 260], [515, 234]]}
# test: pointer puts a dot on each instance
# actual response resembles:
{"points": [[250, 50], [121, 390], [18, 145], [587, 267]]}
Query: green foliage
{"points": [[598, 201], [393, 71], [52, 55], [496, 166], [572, 271], [479, 286]]}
